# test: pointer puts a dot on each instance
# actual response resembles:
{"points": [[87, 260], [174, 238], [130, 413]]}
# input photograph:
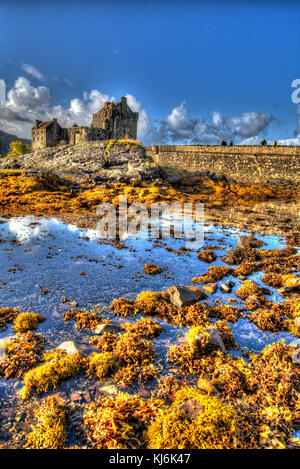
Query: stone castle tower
{"points": [[113, 121]]}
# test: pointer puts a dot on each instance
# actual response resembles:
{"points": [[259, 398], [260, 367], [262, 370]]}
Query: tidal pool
{"points": [[44, 259]]}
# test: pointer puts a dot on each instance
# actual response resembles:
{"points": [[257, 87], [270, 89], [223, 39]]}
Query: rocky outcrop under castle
{"points": [[100, 161]]}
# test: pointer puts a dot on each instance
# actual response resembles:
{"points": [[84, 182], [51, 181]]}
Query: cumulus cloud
{"points": [[182, 126], [25, 103], [80, 110], [290, 141], [33, 72]]}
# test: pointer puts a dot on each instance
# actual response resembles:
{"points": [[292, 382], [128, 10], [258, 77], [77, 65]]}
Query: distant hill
{"points": [[5, 140]]}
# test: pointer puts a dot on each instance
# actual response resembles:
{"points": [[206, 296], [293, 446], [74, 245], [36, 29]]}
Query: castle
{"points": [[113, 121]]}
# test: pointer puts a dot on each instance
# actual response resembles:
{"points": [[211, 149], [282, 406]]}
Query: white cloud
{"points": [[249, 124], [144, 124], [180, 126], [25, 103], [290, 141], [33, 72]]}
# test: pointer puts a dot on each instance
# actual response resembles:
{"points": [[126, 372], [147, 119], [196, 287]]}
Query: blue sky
{"points": [[196, 71]]}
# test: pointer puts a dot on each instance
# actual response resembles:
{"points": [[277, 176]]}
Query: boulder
{"points": [[182, 296], [101, 328], [192, 409], [210, 288], [69, 347], [215, 339], [284, 290], [243, 242]]}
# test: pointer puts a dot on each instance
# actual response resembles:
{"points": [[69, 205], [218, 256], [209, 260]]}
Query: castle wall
{"points": [[38, 139], [247, 164], [54, 134], [125, 125]]}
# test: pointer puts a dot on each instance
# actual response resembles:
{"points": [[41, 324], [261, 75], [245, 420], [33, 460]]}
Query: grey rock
{"points": [[101, 328], [69, 347], [225, 288], [243, 242], [215, 339], [182, 296]]}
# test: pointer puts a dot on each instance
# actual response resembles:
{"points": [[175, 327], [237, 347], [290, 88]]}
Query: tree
{"points": [[18, 148], [263, 141]]}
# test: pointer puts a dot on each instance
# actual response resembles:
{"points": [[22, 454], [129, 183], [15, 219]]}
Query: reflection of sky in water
{"points": [[53, 255]]}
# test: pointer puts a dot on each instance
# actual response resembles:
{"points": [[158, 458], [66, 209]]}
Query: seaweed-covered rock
{"points": [[215, 340], [210, 288], [207, 256], [192, 408]]}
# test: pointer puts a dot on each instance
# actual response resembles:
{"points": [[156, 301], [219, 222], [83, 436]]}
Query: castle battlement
{"points": [[113, 121]]}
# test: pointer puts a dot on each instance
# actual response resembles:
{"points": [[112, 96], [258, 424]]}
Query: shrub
{"points": [[214, 274], [85, 319], [18, 148]]}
